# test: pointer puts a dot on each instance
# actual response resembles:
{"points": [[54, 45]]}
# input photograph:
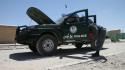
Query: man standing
{"points": [[99, 40]]}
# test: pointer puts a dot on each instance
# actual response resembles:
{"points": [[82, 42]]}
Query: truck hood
{"points": [[38, 16]]}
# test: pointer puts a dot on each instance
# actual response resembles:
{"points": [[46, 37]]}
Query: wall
{"points": [[7, 34]]}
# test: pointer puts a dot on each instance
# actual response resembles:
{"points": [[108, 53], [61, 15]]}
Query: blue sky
{"points": [[110, 13]]}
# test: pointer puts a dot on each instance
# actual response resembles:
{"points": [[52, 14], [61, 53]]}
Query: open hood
{"points": [[38, 16]]}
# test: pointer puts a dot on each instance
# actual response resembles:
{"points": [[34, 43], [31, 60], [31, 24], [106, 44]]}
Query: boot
{"points": [[96, 54]]}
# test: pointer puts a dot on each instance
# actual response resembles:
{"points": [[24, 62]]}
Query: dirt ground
{"points": [[114, 62], [67, 58]]}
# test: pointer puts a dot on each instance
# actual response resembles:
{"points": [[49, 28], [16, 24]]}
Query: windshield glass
{"points": [[59, 21]]}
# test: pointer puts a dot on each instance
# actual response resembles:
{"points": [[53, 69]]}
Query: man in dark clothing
{"points": [[99, 41]]}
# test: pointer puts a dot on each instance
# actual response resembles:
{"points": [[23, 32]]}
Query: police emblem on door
{"points": [[73, 29]]}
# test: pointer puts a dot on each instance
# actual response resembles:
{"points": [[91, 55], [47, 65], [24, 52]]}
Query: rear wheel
{"points": [[78, 45], [46, 45]]}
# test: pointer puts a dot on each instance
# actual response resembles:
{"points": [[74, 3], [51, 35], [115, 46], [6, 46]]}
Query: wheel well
{"points": [[49, 33]]}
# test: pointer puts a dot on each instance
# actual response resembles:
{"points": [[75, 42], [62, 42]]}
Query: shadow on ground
{"points": [[60, 53]]}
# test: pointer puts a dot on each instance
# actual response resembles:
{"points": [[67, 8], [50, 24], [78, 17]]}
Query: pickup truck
{"points": [[72, 28]]}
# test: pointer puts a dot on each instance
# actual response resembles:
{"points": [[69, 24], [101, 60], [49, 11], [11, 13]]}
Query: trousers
{"points": [[100, 38]]}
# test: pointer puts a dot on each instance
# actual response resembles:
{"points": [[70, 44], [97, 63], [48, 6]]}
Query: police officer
{"points": [[99, 40]]}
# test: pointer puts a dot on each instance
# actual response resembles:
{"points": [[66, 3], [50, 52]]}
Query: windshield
{"points": [[59, 21]]}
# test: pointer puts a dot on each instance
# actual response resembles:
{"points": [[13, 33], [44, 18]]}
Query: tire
{"points": [[33, 48], [46, 45], [78, 45]]}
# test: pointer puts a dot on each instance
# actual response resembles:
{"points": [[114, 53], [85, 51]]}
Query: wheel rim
{"points": [[48, 45]]}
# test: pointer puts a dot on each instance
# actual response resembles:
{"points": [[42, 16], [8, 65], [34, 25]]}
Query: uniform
{"points": [[100, 40]]}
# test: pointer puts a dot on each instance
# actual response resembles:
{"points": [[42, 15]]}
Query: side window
{"points": [[82, 19], [73, 19]]}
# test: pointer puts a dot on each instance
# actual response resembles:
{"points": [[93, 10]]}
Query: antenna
{"points": [[66, 6]]}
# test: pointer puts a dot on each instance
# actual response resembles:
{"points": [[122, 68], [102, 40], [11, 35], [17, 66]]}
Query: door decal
{"points": [[73, 29]]}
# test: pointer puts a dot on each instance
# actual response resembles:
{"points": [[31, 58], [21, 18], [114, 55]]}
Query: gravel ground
{"points": [[114, 62]]}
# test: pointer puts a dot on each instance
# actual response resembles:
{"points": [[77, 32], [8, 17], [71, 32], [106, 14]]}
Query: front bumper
{"points": [[22, 35]]}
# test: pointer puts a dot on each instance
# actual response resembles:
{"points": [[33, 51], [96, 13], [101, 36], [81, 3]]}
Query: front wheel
{"points": [[46, 45]]}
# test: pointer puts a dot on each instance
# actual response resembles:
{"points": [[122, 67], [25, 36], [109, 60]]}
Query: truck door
{"points": [[74, 31]]}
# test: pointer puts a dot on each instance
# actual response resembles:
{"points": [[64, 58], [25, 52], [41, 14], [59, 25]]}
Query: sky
{"points": [[110, 13]]}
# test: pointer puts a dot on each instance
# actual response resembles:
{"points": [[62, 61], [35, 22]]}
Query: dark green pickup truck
{"points": [[47, 35]]}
